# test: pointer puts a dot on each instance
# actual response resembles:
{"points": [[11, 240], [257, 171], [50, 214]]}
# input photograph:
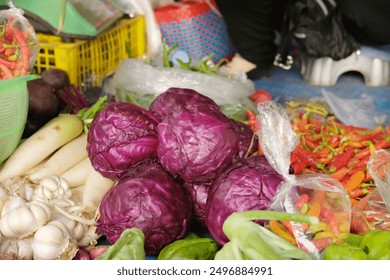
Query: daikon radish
{"points": [[77, 175], [95, 188], [41, 144], [77, 195], [63, 159]]}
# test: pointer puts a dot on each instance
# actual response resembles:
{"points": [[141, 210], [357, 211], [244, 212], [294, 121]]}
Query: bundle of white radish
{"points": [[49, 193]]}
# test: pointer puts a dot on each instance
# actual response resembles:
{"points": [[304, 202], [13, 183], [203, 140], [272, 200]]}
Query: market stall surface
{"points": [[285, 85]]}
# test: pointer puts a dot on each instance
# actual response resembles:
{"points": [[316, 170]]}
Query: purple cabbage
{"points": [[249, 184], [150, 199], [196, 140], [172, 102], [120, 136], [248, 144], [198, 194]]}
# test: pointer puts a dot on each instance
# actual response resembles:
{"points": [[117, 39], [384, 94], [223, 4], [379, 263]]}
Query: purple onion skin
{"points": [[150, 199], [120, 136], [249, 184], [82, 254]]}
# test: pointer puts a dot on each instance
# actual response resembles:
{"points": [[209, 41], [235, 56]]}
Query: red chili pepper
{"points": [[252, 122], [5, 72], [331, 220], [340, 174], [298, 167], [306, 156], [356, 193], [334, 141], [321, 243], [340, 160], [24, 49], [382, 144], [303, 199]]}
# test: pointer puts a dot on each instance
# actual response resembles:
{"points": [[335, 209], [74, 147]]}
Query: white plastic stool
{"points": [[372, 63]]}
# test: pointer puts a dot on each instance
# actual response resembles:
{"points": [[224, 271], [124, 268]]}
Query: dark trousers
{"points": [[251, 25]]}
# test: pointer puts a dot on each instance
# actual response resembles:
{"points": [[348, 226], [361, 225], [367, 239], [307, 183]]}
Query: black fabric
{"points": [[251, 25], [318, 29], [367, 21]]}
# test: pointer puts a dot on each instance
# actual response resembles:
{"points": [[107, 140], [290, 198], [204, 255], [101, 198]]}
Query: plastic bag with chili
{"points": [[19, 45], [373, 211], [311, 194]]}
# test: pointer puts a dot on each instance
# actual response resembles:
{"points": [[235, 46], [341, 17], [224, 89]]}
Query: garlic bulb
{"points": [[3, 198], [52, 187], [76, 229], [52, 241], [20, 186], [20, 218], [18, 249], [90, 237]]}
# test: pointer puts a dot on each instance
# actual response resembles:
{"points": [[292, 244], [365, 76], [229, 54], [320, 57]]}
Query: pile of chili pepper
{"points": [[330, 147], [14, 49], [342, 151]]}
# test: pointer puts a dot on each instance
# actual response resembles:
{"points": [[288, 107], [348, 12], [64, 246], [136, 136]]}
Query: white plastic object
{"points": [[136, 76], [153, 32], [373, 64], [379, 168], [359, 111]]}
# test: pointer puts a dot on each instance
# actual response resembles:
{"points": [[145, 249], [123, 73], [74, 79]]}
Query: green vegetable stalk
{"points": [[129, 246], [88, 113], [249, 240]]}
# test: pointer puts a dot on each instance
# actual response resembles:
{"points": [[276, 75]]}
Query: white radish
{"points": [[77, 175], [95, 188], [41, 144], [77, 195], [63, 159]]}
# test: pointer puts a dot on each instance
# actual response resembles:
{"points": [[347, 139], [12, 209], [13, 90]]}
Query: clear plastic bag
{"points": [[373, 211], [312, 194], [19, 45], [135, 80]]}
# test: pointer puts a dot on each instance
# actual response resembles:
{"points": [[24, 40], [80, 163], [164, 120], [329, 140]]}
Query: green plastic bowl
{"points": [[13, 113]]}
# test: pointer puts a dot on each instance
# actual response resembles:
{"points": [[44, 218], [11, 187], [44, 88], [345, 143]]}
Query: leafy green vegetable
{"points": [[343, 251], [142, 100], [190, 248], [376, 243], [249, 240], [129, 246], [88, 113]]}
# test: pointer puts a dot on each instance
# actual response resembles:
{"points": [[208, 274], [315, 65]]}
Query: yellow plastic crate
{"points": [[87, 62]]}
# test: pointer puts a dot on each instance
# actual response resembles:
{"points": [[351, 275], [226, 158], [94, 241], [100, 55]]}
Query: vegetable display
{"points": [[143, 180]]}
